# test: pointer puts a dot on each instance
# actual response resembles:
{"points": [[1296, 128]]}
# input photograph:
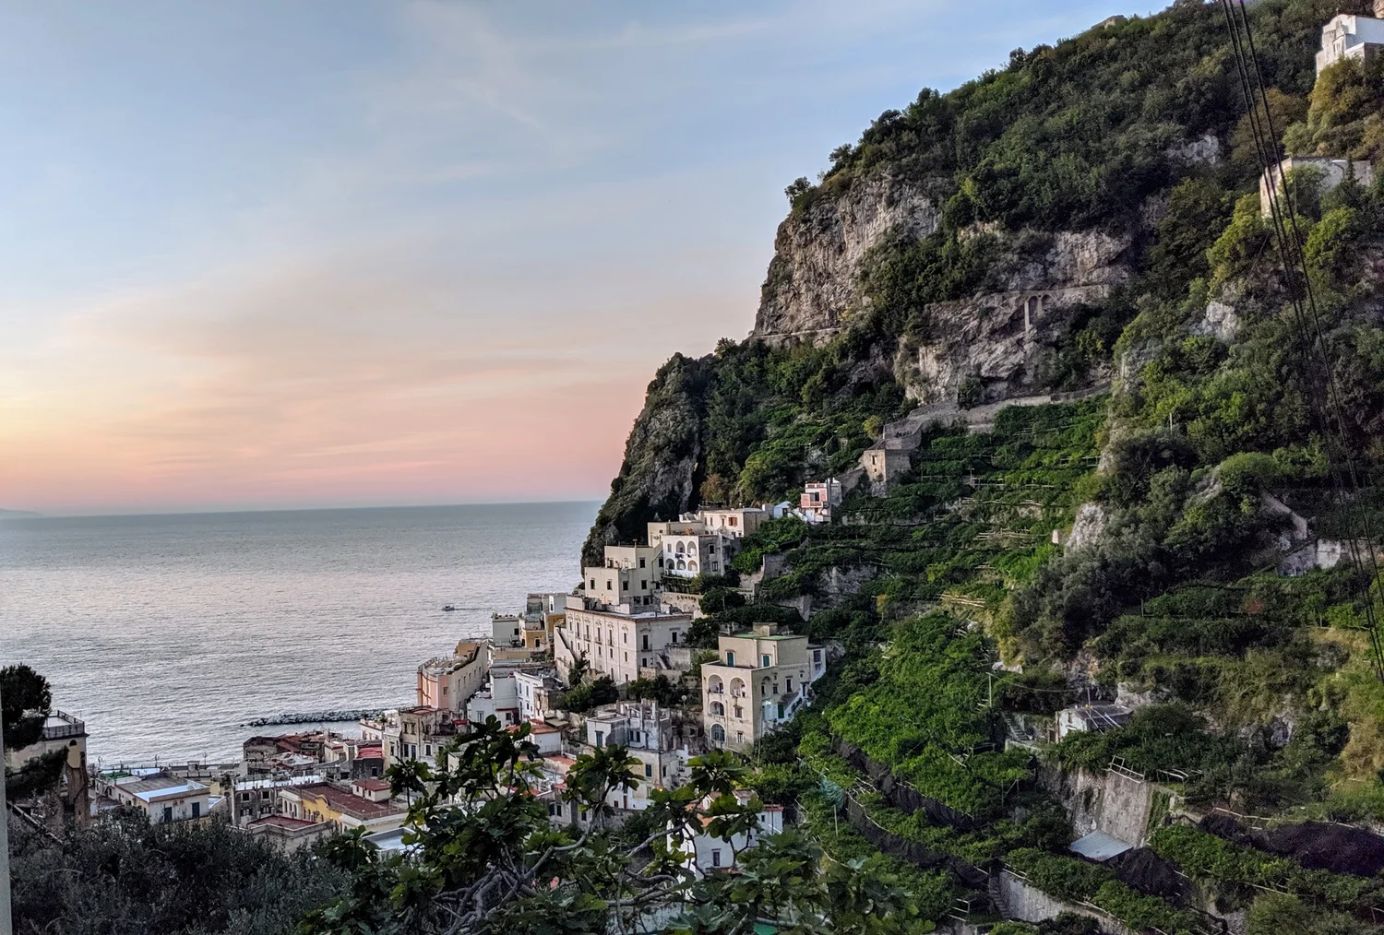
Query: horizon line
{"points": [[35, 514]]}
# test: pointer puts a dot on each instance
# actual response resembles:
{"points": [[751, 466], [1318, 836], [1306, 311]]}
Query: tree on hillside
{"points": [[25, 701], [485, 857]]}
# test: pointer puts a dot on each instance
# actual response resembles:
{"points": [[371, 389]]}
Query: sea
{"points": [[166, 634]]}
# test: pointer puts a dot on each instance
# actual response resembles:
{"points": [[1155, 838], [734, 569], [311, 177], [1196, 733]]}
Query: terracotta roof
{"points": [[346, 802]]}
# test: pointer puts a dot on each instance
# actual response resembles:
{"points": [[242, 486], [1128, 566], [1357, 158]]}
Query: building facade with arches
{"points": [[760, 680]]}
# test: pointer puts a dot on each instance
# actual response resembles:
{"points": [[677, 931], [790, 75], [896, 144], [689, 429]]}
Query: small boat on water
{"points": [[448, 608]]}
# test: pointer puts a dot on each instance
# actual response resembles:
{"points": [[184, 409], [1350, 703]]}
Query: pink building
{"points": [[818, 498]]}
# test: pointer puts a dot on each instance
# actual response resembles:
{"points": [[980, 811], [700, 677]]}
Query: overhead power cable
{"points": [[1317, 365]]}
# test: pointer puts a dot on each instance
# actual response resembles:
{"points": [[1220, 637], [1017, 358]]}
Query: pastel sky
{"points": [[333, 252]]}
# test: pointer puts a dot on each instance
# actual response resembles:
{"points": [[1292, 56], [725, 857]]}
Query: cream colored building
{"points": [[629, 578], [447, 681], [733, 523], [760, 682], [651, 737], [624, 646]]}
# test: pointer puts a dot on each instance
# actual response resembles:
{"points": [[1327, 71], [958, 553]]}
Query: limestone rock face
{"points": [[661, 470], [813, 279], [1003, 343]]}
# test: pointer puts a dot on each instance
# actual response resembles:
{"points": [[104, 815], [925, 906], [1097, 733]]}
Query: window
{"points": [[608, 585], [675, 637], [646, 642], [730, 521], [167, 813], [730, 657], [196, 809], [648, 771], [600, 739], [643, 584], [788, 683], [711, 550], [593, 584], [764, 661], [715, 857], [625, 585], [627, 657], [641, 564]]}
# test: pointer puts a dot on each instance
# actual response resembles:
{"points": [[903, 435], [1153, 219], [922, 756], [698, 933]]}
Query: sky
{"points": [[333, 252]]}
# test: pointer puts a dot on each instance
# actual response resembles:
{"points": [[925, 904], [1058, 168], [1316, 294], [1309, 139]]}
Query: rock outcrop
{"points": [[1004, 343], [813, 283], [661, 470]]}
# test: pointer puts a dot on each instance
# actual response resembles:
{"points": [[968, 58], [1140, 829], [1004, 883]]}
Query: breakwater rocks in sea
{"points": [[318, 717]]}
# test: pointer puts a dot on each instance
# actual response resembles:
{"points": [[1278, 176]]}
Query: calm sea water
{"points": [[168, 632]]}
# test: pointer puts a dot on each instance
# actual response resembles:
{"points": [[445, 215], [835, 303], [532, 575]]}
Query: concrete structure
{"points": [[705, 854], [363, 804], [507, 629], [624, 646], [542, 612], [252, 799], [417, 733], [629, 577], [66, 735], [1351, 37], [162, 798], [1091, 717], [289, 833], [499, 699], [819, 498], [445, 682], [1332, 171], [537, 692], [760, 681], [651, 736], [733, 523]]}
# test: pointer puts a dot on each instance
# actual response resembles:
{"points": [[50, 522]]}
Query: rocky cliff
{"points": [[813, 285]]}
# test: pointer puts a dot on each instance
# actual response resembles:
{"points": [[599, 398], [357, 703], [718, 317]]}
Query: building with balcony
{"points": [[761, 680], [629, 577], [690, 555], [652, 736], [446, 682], [733, 523], [537, 692], [819, 499], [417, 733], [61, 731], [624, 646]]}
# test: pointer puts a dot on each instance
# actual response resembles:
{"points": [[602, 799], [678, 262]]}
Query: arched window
{"points": [[692, 565], [682, 549], [737, 688], [718, 733], [682, 565], [718, 709], [714, 685]]}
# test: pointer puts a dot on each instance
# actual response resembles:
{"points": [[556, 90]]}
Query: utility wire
{"points": [[1288, 237]]}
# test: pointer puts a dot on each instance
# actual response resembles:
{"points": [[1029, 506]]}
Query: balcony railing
{"points": [[71, 727]]}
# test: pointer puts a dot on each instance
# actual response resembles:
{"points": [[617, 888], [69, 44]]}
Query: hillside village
{"points": [[878, 652]]}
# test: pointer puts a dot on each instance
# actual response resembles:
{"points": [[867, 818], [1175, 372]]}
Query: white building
{"points": [[507, 629], [499, 699], [163, 798], [1091, 717], [628, 580], [690, 555], [1351, 37], [1332, 171], [650, 735], [537, 693], [704, 853], [761, 680], [624, 646]]}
